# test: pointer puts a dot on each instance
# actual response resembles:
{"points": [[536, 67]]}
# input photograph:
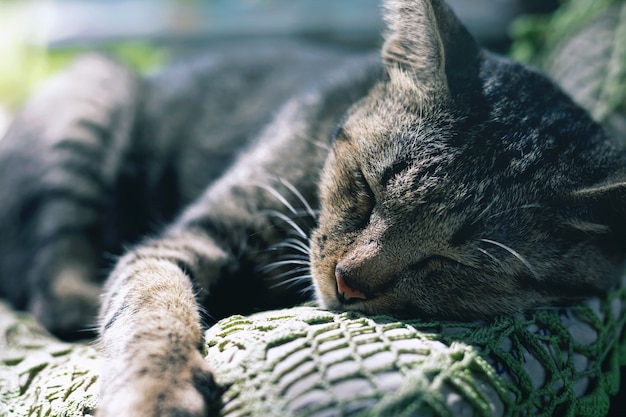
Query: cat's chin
{"points": [[327, 298], [336, 305], [325, 301]]}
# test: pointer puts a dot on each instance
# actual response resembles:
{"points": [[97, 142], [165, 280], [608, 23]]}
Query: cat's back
{"points": [[535, 128], [117, 155], [199, 113]]}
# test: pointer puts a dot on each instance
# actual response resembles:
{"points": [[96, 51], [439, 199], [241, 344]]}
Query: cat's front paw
{"points": [[187, 392]]}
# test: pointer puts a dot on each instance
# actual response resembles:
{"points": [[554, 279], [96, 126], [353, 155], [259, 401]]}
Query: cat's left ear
{"points": [[605, 202], [427, 42]]}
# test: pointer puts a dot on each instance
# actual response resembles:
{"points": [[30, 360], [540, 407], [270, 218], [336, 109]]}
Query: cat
{"points": [[432, 179]]}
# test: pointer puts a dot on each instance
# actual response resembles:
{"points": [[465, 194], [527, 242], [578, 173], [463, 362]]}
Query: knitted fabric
{"points": [[41, 376], [309, 362]]}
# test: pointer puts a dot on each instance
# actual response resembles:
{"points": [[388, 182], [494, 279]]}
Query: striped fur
{"points": [[434, 179]]}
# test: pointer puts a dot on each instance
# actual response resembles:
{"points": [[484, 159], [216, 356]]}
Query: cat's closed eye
{"points": [[392, 171], [465, 194], [431, 264], [364, 196]]}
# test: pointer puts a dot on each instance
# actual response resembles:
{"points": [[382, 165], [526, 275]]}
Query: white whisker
{"points": [[278, 264], [302, 244], [290, 272], [300, 257], [305, 277], [321, 145], [204, 313], [292, 244], [291, 281], [278, 196], [300, 197], [516, 254], [289, 221], [488, 254]]}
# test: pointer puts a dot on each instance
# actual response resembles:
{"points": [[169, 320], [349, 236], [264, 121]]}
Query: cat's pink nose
{"points": [[345, 290]]}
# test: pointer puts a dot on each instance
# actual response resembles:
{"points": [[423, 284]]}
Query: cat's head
{"points": [[464, 185]]}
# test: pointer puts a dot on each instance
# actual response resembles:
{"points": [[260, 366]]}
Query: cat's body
{"points": [[177, 132], [449, 183]]}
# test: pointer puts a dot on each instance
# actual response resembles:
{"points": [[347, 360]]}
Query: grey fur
{"points": [[449, 183]]}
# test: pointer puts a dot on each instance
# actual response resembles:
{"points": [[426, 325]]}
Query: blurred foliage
{"points": [[24, 66], [533, 34], [24, 63], [600, 85]]}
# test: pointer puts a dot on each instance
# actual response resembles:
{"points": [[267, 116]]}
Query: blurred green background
{"points": [[38, 37]]}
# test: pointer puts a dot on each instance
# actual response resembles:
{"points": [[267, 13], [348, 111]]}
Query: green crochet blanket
{"points": [[309, 362]]}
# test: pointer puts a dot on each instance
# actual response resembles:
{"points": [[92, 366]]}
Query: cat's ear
{"points": [[605, 202], [426, 41]]}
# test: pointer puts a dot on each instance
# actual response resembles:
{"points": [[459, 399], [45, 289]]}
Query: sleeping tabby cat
{"points": [[438, 181]]}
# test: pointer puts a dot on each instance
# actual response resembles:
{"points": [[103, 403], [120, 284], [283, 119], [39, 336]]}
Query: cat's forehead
{"points": [[373, 119], [386, 128], [388, 119]]}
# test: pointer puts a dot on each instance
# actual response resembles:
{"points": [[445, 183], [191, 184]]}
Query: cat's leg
{"points": [[59, 160], [150, 329]]}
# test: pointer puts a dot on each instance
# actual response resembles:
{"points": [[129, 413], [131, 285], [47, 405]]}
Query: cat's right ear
{"points": [[427, 42]]}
